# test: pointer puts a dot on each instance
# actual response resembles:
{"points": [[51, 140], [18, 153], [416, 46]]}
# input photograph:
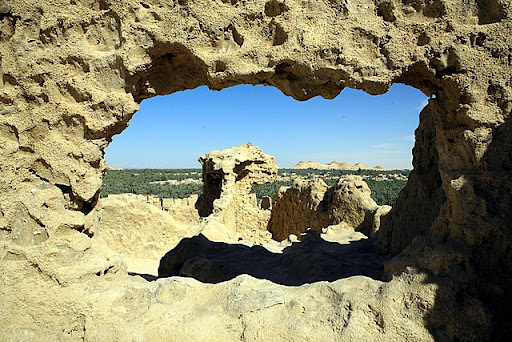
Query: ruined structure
{"points": [[228, 176], [137, 229], [72, 74], [313, 204]]}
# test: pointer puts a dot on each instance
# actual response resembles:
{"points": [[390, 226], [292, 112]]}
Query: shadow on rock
{"points": [[478, 301], [146, 276], [311, 260]]}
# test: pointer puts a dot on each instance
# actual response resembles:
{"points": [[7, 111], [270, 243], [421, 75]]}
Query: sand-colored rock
{"points": [[313, 204], [72, 74], [228, 176], [142, 228], [154, 200], [351, 202], [379, 214], [182, 309], [299, 207], [334, 165], [137, 229], [182, 210]]}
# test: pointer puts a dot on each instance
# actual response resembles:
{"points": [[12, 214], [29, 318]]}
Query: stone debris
{"points": [[137, 229], [313, 204], [317, 257], [73, 73]]}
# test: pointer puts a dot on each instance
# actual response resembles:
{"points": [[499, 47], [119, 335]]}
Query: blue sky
{"points": [[173, 131]]}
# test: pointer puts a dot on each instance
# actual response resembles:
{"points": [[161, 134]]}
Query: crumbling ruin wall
{"points": [[139, 229], [73, 72], [228, 177], [313, 204], [299, 207]]}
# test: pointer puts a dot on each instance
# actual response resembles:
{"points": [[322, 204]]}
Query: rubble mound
{"points": [[299, 207], [312, 204], [139, 230], [73, 73]]}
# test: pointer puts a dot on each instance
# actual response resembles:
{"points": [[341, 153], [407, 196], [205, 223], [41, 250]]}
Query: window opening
{"points": [[155, 160]]}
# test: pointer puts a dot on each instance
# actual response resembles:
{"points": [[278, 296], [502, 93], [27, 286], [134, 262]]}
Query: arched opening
{"points": [[72, 75], [354, 134]]}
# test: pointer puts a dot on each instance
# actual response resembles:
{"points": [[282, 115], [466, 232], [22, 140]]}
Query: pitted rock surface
{"points": [[228, 176], [137, 229], [313, 204], [72, 74]]}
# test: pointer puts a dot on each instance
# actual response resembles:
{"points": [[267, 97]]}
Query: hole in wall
{"points": [[171, 132]]}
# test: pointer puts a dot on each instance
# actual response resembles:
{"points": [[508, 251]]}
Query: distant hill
{"points": [[334, 165]]}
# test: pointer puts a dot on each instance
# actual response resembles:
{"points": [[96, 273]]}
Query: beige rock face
{"points": [[228, 176], [299, 207], [137, 229], [142, 229], [351, 202], [183, 210], [312, 204], [72, 74]]}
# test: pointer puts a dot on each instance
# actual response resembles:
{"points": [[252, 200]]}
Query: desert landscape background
{"points": [[124, 210], [434, 267], [181, 183]]}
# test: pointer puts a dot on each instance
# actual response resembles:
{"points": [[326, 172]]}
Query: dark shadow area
{"points": [[148, 277], [493, 258], [311, 260], [474, 275], [399, 228], [212, 187]]}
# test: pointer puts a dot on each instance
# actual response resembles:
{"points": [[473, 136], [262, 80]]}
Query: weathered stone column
{"points": [[72, 74], [228, 176]]}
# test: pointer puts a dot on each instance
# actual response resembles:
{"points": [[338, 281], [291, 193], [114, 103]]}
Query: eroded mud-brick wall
{"points": [[72, 74]]}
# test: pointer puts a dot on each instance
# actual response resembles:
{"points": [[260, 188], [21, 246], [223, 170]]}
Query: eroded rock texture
{"points": [[313, 204], [228, 176], [73, 72], [137, 229]]}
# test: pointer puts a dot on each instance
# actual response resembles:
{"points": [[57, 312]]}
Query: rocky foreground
{"points": [[73, 73], [238, 271], [142, 229]]}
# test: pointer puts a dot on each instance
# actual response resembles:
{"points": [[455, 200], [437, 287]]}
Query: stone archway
{"points": [[73, 72]]}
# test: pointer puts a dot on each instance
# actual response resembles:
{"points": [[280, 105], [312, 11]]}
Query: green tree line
{"points": [[138, 182]]}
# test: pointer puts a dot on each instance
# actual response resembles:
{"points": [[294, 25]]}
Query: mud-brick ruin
{"points": [[72, 74]]}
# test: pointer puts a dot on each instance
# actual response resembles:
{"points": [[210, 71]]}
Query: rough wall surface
{"points": [[73, 72], [299, 207], [137, 229], [228, 176], [313, 204]]}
